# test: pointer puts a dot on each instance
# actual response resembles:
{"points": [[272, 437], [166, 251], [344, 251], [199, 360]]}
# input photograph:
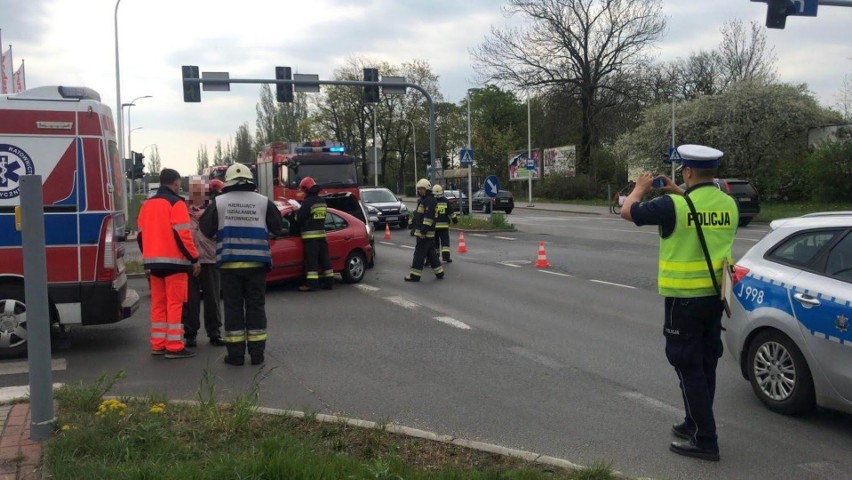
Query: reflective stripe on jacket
{"points": [[683, 268], [242, 235], [443, 214], [424, 216], [165, 236], [311, 216]]}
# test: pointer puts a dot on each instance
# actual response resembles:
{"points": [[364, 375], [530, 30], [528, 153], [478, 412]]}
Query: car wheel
{"points": [[508, 211], [13, 322], [744, 221], [355, 267], [779, 374]]}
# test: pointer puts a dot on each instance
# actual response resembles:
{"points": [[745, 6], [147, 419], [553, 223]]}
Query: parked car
{"points": [[457, 201], [789, 329], [348, 246], [504, 201], [384, 208], [745, 194]]}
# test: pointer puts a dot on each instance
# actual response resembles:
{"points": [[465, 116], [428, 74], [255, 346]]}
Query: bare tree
{"points": [[202, 159], [577, 45], [744, 55]]}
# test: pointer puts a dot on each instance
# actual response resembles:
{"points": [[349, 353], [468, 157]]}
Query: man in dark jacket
{"points": [[423, 227], [311, 219], [443, 216]]}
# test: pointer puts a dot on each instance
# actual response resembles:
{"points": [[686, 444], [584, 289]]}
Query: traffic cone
{"points": [[462, 246], [387, 231], [542, 257]]}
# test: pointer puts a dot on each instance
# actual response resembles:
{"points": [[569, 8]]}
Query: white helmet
{"points": [[237, 173], [423, 183], [437, 190]]}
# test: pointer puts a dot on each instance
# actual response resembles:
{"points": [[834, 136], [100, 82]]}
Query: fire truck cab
{"points": [[66, 135]]}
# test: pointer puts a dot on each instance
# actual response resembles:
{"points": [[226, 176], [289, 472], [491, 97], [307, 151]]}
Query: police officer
{"points": [[693, 309], [311, 219], [241, 219], [423, 227], [443, 216]]}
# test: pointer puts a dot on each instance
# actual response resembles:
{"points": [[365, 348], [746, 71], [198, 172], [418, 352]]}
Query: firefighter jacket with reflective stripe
{"points": [[311, 216], [165, 236], [683, 268], [443, 213], [424, 216], [241, 222]]}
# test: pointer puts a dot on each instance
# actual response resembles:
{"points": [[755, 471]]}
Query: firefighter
{"points": [[169, 254], [311, 219], [693, 310], [443, 215], [423, 227], [241, 220]]}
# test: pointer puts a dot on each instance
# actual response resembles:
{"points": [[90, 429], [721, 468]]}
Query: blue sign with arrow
{"points": [[805, 8], [466, 157], [491, 186]]}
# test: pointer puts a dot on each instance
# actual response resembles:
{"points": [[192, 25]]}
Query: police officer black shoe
{"points": [[257, 359], [190, 342], [236, 361], [217, 341], [180, 354], [680, 431], [689, 449]]}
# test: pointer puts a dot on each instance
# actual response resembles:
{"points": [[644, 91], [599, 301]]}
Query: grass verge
{"points": [[133, 266], [496, 221], [149, 438], [772, 211]]}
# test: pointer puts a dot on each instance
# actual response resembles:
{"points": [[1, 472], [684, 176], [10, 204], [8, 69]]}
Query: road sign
{"points": [[530, 164], [805, 8], [491, 186], [673, 157], [466, 157]]}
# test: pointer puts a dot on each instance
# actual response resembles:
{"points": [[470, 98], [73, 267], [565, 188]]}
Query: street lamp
{"points": [[470, 167], [120, 120], [529, 151], [414, 136], [128, 105]]}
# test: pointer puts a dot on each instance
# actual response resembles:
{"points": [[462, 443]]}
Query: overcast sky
{"points": [[68, 42]]}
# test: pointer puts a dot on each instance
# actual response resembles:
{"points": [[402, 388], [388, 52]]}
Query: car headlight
{"points": [[372, 209], [403, 209]]}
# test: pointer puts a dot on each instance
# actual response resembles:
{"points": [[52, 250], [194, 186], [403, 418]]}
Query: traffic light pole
{"points": [[190, 82]]}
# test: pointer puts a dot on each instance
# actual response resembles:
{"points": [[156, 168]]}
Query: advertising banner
{"points": [[560, 161], [518, 165]]}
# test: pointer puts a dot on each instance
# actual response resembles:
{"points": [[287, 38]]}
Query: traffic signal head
{"points": [[191, 90], [138, 165], [777, 12], [371, 93], [283, 92]]}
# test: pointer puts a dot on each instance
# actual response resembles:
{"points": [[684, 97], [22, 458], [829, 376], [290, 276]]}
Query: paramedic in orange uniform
{"points": [[168, 251]]}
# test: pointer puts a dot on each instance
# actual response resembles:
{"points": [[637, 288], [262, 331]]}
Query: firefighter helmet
{"points": [[237, 173], [423, 183], [216, 186], [437, 190], [306, 184]]}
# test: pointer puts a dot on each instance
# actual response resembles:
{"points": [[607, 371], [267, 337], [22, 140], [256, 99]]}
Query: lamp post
{"points": [[120, 120], [469, 168], [529, 150], [128, 105], [414, 146]]}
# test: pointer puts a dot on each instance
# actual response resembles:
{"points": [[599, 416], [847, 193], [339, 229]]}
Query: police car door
{"points": [[822, 305]]}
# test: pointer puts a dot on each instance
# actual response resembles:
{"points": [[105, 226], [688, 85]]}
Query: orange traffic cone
{"points": [[542, 257], [462, 246], [387, 231]]}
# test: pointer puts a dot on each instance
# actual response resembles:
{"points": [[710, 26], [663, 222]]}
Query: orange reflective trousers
{"points": [[168, 294]]}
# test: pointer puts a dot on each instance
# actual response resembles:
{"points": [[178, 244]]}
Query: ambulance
{"points": [[67, 136]]}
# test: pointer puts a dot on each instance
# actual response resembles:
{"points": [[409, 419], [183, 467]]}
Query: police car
{"points": [[789, 328]]}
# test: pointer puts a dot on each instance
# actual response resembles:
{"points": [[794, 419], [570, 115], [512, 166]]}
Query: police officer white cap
{"points": [[699, 156]]}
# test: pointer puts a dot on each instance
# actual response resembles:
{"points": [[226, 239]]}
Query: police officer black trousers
{"points": [[442, 243], [693, 348], [317, 263], [424, 250], [244, 297]]}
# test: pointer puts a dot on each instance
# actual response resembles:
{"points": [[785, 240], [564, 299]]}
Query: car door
{"points": [[339, 239], [287, 252], [821, 302]]}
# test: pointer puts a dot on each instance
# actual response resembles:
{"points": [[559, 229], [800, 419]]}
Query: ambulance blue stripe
{"points": [[79, 179], [59, 229]]}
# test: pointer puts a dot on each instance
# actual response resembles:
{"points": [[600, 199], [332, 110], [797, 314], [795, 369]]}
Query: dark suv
{"points": [[503, 201], [384, 208], [747, 197]]}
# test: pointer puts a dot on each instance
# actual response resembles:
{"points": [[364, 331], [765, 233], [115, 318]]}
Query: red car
{"points": [[348, 246]]}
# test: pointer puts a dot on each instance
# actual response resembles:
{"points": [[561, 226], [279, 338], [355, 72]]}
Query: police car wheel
{"points": [[13, 321], [779, 374], [355, 267]]}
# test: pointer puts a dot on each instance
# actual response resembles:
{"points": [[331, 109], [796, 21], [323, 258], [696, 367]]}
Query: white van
{"points": [[66, 135]]}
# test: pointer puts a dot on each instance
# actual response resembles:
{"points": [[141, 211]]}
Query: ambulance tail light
{"points": [[107, 256], [739, 273]]}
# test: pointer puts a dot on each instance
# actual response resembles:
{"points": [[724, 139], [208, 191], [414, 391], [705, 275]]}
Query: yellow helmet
{"points": [[237, 173], [423, 183], [437, 190]]}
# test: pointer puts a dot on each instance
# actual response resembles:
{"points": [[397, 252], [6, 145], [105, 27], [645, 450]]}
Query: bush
{"points": [[830, 167], [562, 187]]}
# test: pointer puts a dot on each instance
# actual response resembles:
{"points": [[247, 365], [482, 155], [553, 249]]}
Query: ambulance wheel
{"points": [[355, 267], [13, 321], [779, 374]]}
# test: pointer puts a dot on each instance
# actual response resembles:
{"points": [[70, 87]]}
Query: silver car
{"points": [[789, 328]]}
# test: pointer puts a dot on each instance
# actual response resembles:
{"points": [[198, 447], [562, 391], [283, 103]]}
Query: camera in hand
{"points": [[659, 182]]}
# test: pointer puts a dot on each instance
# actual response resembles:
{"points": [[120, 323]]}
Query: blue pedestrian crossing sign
{"points": [[466, 157], [491, 186], [673, 157]]}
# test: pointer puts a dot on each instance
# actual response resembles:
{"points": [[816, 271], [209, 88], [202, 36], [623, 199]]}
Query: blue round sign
{"points": [[491, 186]]}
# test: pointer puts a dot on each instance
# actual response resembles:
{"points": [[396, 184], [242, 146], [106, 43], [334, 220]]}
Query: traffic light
{"points": [[138, 165], [371, 93], [283, 92], [777, 11], [191, 90]]}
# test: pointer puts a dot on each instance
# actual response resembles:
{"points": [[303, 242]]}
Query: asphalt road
{"points": [[566, 361]]}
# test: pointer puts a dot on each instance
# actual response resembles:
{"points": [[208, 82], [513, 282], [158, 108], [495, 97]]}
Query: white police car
{"points": [[789, 327]]}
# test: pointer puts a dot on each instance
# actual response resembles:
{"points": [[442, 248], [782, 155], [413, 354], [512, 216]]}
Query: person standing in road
{"points": [[443, 216], [241, 220], [311, 219], [169, 254], [693, 308], [423, 227], [205, 287]]}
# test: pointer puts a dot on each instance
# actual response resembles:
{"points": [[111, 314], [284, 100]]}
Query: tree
{"points": [[744, 55], [218, 153], [276, 122], [202, 159], [844, 99], [154, 161], [580, 46], [243, 151]]}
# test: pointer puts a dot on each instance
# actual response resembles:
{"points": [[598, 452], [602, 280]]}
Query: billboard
{"points": [[560, 161], [518, 165]]}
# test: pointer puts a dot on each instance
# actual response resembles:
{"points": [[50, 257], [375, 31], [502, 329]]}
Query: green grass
{"points": [[772, 211], [134, 266], [151, 439], [496, 221]]}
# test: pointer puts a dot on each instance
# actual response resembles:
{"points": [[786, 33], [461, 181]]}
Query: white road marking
{"points": [[556, 273], [613, 284], [453, 322], [507, 264], [402, 302], [366, 288], [535, 357], [388, 243], [651, 402], [407, 246], [478, 235], [14, 368], [8, 394], [505, 238]]}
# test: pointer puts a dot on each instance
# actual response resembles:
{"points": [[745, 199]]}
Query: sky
{"points": [[65, 42]]}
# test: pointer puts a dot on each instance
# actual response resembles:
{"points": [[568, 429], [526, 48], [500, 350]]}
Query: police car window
{"points": [[839, 262], [333, 222], [801, 249]]}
